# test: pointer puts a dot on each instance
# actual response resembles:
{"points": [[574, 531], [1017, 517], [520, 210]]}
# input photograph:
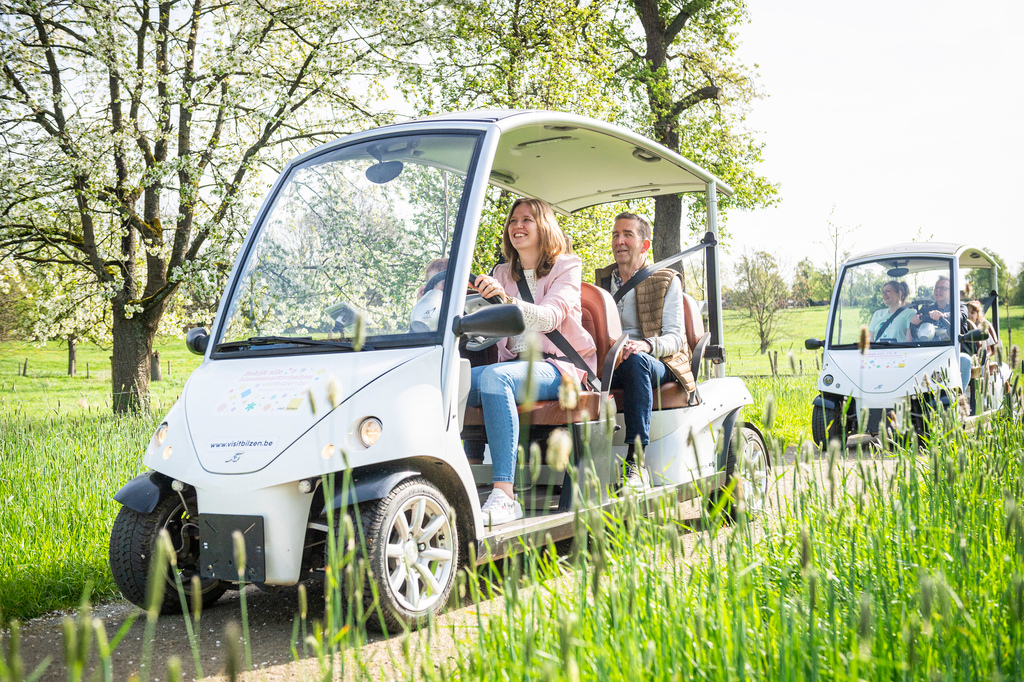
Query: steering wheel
{"points": [[475, 302]]}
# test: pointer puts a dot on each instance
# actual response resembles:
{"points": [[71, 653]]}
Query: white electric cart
{"points": [[329, 352], [913, 364]]}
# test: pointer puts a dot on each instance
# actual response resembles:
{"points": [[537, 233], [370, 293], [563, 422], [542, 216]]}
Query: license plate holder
{"points": [[217, 549]]}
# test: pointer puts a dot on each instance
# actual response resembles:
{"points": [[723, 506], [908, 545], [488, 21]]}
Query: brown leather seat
{"points": [[548, 412], [693, 320], [600, 319]]}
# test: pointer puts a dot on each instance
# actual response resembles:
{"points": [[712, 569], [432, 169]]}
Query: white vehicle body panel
{"points": [[247, 429]]}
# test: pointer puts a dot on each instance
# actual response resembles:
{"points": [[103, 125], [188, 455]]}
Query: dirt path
{"points": [[271, 621]]}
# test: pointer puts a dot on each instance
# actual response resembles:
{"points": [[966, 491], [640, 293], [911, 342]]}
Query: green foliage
{"points": [[15, 302], [810, 283], [762, 293], [688, 91], [518, 54], [1018, 288], [980, 279], [129, 159]]}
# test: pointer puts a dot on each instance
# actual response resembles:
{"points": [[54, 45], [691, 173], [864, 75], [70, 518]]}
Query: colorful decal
{"points": [[885, 359], [269, 391]]}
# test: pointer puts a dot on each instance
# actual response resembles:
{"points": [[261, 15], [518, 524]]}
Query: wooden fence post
{"points": [[154, 366]]}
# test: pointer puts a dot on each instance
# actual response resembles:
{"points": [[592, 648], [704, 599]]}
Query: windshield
{"points": [[349, 244], [902, 301]]}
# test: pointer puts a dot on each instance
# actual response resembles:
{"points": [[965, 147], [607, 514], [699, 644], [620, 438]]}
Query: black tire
{"points": [[132, 541], [402, 603], [825, 426], [746, 473]]}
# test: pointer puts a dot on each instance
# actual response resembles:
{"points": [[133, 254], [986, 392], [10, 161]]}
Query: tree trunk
{"points": [[154, 367], [668, 216], [130, 364], [72, 353]]}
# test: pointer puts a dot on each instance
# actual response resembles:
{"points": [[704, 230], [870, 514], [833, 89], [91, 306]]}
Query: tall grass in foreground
{"points": [[908, 567], [904, 566], [57, 480]]}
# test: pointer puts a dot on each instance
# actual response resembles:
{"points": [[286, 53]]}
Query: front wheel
{"points": [[132, 543], [824, 426], [413, 549]]}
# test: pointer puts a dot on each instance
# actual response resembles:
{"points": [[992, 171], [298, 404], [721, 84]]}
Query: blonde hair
{"points": [[553, 242]]}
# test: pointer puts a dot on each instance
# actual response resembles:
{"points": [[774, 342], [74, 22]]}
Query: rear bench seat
{"points": [[601, 319]]}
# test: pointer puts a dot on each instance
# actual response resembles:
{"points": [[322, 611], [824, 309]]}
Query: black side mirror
{"points": [[814, 344], [197, 340], [975, 335], [491, 322]]}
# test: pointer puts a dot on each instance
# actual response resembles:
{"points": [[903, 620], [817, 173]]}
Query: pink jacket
{"points": [[560, 291]]}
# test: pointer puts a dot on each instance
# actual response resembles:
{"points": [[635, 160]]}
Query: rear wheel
{"points": [[413, 549], [746, 475], [132, 542]]}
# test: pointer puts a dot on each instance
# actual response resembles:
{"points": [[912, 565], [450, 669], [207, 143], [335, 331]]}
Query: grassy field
{"points": [[907, 568], [903, 567], [62, 455], [57, 480], [47, 389]]}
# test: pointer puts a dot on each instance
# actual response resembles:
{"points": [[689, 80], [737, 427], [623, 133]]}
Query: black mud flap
{"points": [[217, 549]]}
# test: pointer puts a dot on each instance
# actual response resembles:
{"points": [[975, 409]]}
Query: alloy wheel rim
{"points": [[755, 475], [419, 553]]}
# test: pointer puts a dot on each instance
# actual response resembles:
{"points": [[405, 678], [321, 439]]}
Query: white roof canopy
{"points": [[574, 162], [966, 256]]}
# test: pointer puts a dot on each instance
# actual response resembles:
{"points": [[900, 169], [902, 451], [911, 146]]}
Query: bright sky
{"points": [[905, 115]]}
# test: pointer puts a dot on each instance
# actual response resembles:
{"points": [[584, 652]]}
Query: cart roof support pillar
{"points": [[714, 288]]}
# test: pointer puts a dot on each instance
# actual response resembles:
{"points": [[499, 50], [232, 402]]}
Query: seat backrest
{"points": [[600, 319], [694, 320]]}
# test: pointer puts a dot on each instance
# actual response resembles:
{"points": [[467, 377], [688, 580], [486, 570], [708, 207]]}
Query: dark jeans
{"points": [[638, 376]]}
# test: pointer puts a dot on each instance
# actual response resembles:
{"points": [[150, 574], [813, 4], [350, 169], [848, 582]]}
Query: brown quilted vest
{"points": [[650, 302]]}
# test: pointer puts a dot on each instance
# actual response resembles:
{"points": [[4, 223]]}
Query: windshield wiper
{"points": [[255, 341]]}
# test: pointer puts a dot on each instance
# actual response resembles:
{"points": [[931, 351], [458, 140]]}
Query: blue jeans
{"points": [[638, 376], [965, 369], [498, 389]]}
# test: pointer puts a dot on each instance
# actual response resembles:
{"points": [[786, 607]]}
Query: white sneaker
{"points": [[634, 478], [500, 508]]}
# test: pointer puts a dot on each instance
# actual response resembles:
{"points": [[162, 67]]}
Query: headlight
{"points": [[369, 431], [161, 434], [827, 380]]}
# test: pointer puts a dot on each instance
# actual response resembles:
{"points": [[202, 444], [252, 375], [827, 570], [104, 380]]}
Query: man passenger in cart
{"points": [[652, 314]]}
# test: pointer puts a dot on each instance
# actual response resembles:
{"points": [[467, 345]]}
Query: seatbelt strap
{"points": [[561, 343], [885, 325], [640, 275]]}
